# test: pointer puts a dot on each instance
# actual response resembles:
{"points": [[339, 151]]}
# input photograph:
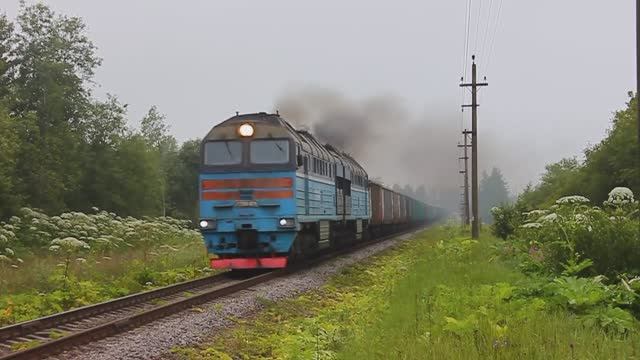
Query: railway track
{"points": [[53, 334]]}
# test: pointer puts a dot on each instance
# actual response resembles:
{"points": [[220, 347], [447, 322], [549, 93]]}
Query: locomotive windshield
{"points": [[269, 151], [222, 152]]}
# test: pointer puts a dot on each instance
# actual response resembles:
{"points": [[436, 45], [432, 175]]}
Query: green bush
{"points": [[506, 219], [572, 230]]}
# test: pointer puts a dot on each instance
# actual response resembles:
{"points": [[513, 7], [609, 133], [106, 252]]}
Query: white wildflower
{"points": [[573, 199], [4, 258], [9, 251], [620, 196], [71, 243], [533, 225], [54, 247], [549, 218], [14, 266], [81, 260], [19, 260], [580, 218], [535, 213]]}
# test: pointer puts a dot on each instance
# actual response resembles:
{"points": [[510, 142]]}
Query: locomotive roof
{"points": [[304, 140]]}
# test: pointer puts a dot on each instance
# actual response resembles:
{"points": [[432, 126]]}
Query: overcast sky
{"points": [[557, 72]]}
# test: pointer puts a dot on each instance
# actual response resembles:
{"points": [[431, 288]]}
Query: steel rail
{"points": [[128, 322], [30, 327]]}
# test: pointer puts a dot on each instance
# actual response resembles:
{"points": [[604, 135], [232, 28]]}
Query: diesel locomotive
{"points": [[271, 194]]}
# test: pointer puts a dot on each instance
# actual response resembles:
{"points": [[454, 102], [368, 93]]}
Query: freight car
{"points": [[271, 194]]}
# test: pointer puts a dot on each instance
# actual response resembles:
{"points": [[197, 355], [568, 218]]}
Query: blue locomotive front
{"points": [[270, 193], [247, 182]]}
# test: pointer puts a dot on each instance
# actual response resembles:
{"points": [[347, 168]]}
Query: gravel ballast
{"points": [[192, 326]]}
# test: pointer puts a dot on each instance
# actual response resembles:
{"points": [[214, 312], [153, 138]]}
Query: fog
{"points": [[556, 72]]}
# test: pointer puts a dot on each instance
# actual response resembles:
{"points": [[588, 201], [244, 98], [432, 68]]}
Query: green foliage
{"points": [[570, 232], [612, 319], [505, 220], [61, 149], [436, 297], [76, 259], [614, 162]]}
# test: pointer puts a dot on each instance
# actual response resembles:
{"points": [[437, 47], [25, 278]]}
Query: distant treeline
{"points": [[615, 161], [62, 149]]}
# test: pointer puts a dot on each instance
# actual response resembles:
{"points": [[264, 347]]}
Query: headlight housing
{"points": [[287, 222], [207, 224]]}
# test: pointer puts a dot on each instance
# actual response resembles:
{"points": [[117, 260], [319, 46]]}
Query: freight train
{"points": [[271, 195]]}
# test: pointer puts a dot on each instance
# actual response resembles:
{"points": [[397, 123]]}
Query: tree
{"points": [[51, 60], [106, 128], [183, 181], [493, 192], [9, 200], [560, 179], [156, 134], [6, 40], [135, 174], [612, 163], [615, 161], [62, 149]]}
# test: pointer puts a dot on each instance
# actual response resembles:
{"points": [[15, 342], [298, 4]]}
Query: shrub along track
{"points": [[53, 334]]}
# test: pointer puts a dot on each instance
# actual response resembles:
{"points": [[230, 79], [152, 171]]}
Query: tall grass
{"points": [[55, 263], [459, 302]]}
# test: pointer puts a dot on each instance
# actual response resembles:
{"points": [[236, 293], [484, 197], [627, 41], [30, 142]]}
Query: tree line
{"points": [[63, 149], [614, 162]]}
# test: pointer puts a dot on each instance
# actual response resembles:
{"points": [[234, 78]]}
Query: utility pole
{"points": [[465, 202], [475, 225]]}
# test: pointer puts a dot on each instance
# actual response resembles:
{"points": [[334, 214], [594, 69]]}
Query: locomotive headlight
{"points": [[246, 130], [287, 222], [207, 224]]}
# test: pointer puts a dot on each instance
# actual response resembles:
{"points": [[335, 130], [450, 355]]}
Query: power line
{"points": [[486, 30], [475, 46], [466, 39], [493, 38]]}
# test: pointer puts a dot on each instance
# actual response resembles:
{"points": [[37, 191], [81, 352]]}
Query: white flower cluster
{"points": [[620, 196], [549, 218], [533, 225], [535, 214], [99, 232], [580, 218], [68, 243], [573, 199]]}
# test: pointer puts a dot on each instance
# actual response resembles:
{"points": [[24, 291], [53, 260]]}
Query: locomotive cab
{"points": [[247, 193]]}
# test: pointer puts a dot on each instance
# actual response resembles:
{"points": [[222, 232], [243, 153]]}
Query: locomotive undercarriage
{"points": [[340, 233]]}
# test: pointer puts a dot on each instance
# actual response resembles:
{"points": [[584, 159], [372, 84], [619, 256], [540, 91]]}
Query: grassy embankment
{"points": [[441, 296], [62, 262]]}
